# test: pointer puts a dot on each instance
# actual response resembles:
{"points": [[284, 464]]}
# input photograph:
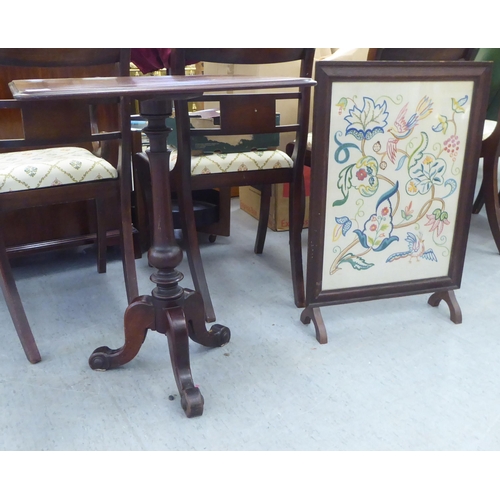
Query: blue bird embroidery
{"points": [[416, 250]]}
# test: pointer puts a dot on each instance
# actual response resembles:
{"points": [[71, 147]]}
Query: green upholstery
{"points": [[494, 99]]}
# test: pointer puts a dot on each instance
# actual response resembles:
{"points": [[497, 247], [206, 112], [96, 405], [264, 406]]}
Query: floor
{"points": [[396, 374]]}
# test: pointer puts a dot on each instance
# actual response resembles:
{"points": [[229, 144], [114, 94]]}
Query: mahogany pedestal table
{"points": [[170, 309]]}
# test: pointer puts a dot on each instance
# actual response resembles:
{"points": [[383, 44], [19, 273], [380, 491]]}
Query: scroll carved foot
{"points": [[314, 314], [139, 317], [178, 343], [450, 298], [217, 336], [192, 402]]}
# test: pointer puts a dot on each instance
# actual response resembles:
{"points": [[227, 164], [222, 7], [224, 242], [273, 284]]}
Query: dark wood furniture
{"points": [[488, 194], [244, 114], [490, 151], [212, 207], [390, 200], [170, 309], [427, 54], [51, 227], [41, 125]]}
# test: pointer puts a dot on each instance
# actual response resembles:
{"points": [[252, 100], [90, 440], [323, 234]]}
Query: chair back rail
{"points": [[34, 125], [179, 57], [248, 114], [64, 58], [101, 125], [424, 54], [243, 114], [253, 113]]}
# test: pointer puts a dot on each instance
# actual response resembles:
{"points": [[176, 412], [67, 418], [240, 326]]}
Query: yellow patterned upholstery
{"points": [[236, 162], [51, 167]]}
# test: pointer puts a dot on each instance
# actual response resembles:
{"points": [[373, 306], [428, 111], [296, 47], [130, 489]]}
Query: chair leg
{"points": [[491, 200], [15, 306], [136, 223], [296, 213], [101, 235], [265, 206], [479, 201], [127, 247], [195, 262], [137, 244]]}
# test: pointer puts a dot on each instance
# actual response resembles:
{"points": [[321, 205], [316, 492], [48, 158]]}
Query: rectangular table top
{"points": [[145, 87]]}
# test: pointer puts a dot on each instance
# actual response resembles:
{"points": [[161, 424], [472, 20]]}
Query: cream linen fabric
{"points": [[51, 167], [344, 54], [217, 163], [489, 127]]}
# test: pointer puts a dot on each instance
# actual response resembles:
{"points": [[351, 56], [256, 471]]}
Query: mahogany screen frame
{"points": [[329, 72]]}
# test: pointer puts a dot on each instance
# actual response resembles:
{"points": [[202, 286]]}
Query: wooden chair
{"points": [[60, 152], [242, 114], [490, 148], [428, 54]]}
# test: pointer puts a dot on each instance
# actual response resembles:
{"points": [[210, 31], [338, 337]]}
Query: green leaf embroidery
{"points": [[344, 184], [417, 155], [356, 262]]}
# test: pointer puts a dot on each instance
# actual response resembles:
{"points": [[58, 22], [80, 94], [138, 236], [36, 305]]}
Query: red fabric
{"points": [[148, 60], [307, 183]]}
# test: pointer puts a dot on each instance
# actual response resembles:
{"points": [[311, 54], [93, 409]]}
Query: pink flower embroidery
{"points": [[361, 174], [437, 220]]}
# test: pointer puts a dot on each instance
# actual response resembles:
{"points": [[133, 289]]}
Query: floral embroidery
{"points": [[406, 214], [427, 173], [437, 220], [407, 149], [378, 228], [361, 174], [367, 121], [451, 146], [342, 104]]}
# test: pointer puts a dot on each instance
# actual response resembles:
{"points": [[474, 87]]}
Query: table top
{"points": [[140, 86]]}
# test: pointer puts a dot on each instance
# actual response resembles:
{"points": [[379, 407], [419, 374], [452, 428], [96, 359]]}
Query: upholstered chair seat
{"points": [[46, 165], [21, 170], [236, 162]]}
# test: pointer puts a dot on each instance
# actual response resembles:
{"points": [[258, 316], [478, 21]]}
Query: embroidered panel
{"points": [[394, 175]]}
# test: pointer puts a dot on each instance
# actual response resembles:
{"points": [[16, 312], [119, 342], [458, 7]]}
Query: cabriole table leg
{"points": [[176, 312]]}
